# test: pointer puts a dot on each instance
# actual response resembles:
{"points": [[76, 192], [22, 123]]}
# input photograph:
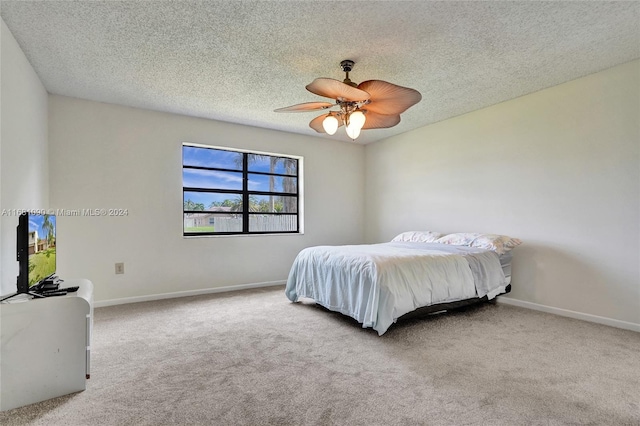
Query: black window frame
{"points": [[245, 193]]}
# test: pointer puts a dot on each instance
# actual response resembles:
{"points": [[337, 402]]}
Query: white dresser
{"points": [[45, 345]]}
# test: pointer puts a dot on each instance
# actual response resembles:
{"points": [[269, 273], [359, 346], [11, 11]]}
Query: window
{"points": [[228, 192]]}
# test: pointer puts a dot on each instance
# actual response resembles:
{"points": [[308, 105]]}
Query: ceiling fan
{"points": [[372, 104]]}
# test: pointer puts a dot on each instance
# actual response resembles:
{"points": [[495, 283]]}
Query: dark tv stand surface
{"points": [[51, 283], [29, 293]]}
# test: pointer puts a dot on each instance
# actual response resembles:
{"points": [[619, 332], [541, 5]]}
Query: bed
{"points": [[416, 273]]}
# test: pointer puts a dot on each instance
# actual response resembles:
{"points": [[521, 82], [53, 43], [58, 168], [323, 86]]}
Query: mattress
{"points": [[378, 283]]}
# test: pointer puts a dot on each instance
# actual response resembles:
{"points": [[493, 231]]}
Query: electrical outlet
{"points": [[119, 268]]}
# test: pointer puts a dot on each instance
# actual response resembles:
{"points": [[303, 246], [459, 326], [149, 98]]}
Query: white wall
{"points": [[559, 169], [24, 169], [109, 156]]}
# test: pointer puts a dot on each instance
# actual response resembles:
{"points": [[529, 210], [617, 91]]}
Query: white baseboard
{"points": [[172, 295], [571, 314]]}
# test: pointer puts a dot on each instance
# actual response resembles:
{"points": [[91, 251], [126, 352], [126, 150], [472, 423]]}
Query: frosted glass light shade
{"points": [[353, 132], [357, 119], [330, 124]]}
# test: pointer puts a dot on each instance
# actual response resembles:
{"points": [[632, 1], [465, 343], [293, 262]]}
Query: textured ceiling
{"points": [[237, 61]]}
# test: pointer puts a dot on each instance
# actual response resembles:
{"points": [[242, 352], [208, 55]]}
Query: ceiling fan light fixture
{"points": [[381, 101], [330, 124], [353, 132], [357, 119]]}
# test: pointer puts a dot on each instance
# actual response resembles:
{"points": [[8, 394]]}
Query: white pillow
{"points": [[498, 243], [458, 239], [418, 236]]}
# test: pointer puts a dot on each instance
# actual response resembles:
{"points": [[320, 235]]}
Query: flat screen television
{"points": [[36, 252]]}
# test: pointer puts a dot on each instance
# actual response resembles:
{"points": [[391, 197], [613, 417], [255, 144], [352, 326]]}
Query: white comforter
{"points": [[378, 283]]}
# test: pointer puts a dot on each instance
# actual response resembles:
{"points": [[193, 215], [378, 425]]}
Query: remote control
{"points": [[54, 293], [69, 289]]}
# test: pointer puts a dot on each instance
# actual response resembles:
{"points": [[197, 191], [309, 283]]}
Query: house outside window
{"points": [[228, 192]]}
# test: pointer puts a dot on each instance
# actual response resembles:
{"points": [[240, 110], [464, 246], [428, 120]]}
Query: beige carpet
{"points": [[254, 358]]}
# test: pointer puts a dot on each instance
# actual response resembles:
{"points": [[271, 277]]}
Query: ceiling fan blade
{"points": [[335, 89], [316, 123], [379, 121], [307, 106], [389, 99]]}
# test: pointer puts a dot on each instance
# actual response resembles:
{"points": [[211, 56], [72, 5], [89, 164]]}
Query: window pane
{"points": [[272, 223], [273, 183], [210, 157], [273, 204], [208, 222], [211, 179], [212, 201], [215, 188], [270, 164]]}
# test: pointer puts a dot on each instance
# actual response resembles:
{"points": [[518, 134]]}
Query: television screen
{"points": [[41, 247]]}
